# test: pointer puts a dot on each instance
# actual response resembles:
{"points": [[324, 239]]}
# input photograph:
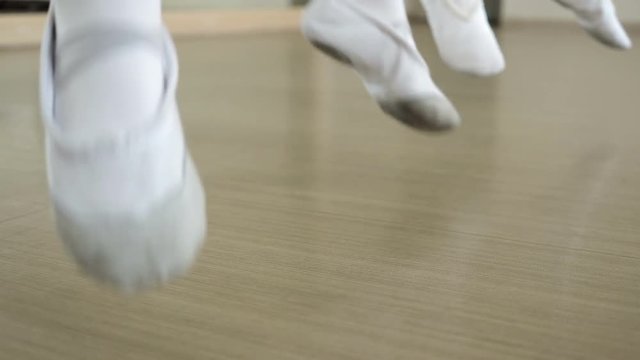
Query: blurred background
{"points": [[337, 233], [629, 10]]}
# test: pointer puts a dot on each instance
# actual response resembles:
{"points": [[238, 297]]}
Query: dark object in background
{"points": [[13, 6], [493, 9]]}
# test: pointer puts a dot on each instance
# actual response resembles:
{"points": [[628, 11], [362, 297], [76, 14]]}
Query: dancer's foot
{"points": [[374, 37], [464, 37], [598, 17], [128, 200]]}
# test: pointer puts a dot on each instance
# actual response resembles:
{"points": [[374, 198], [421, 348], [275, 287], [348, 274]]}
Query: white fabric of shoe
{"points": [[464, 38], [115, 211], [599, 18], [379, 45]]}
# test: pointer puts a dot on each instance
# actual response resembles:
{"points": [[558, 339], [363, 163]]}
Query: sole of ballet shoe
{"points": [[411, 112]]}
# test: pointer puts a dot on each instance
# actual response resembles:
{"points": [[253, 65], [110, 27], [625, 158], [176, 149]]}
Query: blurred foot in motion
{"points": [[599, 18], [374, 37], [127, 198], [464, 37]]}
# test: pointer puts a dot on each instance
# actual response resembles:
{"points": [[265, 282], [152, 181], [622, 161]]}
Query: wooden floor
{"points": [[336, 233]]}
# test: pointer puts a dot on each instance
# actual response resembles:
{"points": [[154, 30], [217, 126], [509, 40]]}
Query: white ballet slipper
{"points": [[119, 224], [384, 54]]}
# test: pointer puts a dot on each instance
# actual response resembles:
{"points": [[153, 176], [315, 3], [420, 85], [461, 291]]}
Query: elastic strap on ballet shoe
{"points": [[95, 43]]}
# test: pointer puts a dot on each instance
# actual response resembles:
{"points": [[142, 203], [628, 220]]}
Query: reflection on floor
{"points": [[337, 233]]}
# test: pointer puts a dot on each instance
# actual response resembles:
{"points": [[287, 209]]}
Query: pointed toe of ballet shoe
{"points": [[133, 253], [615, 37]]}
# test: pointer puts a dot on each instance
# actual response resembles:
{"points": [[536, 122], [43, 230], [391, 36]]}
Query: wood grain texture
{"points": [[338, 234]]}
